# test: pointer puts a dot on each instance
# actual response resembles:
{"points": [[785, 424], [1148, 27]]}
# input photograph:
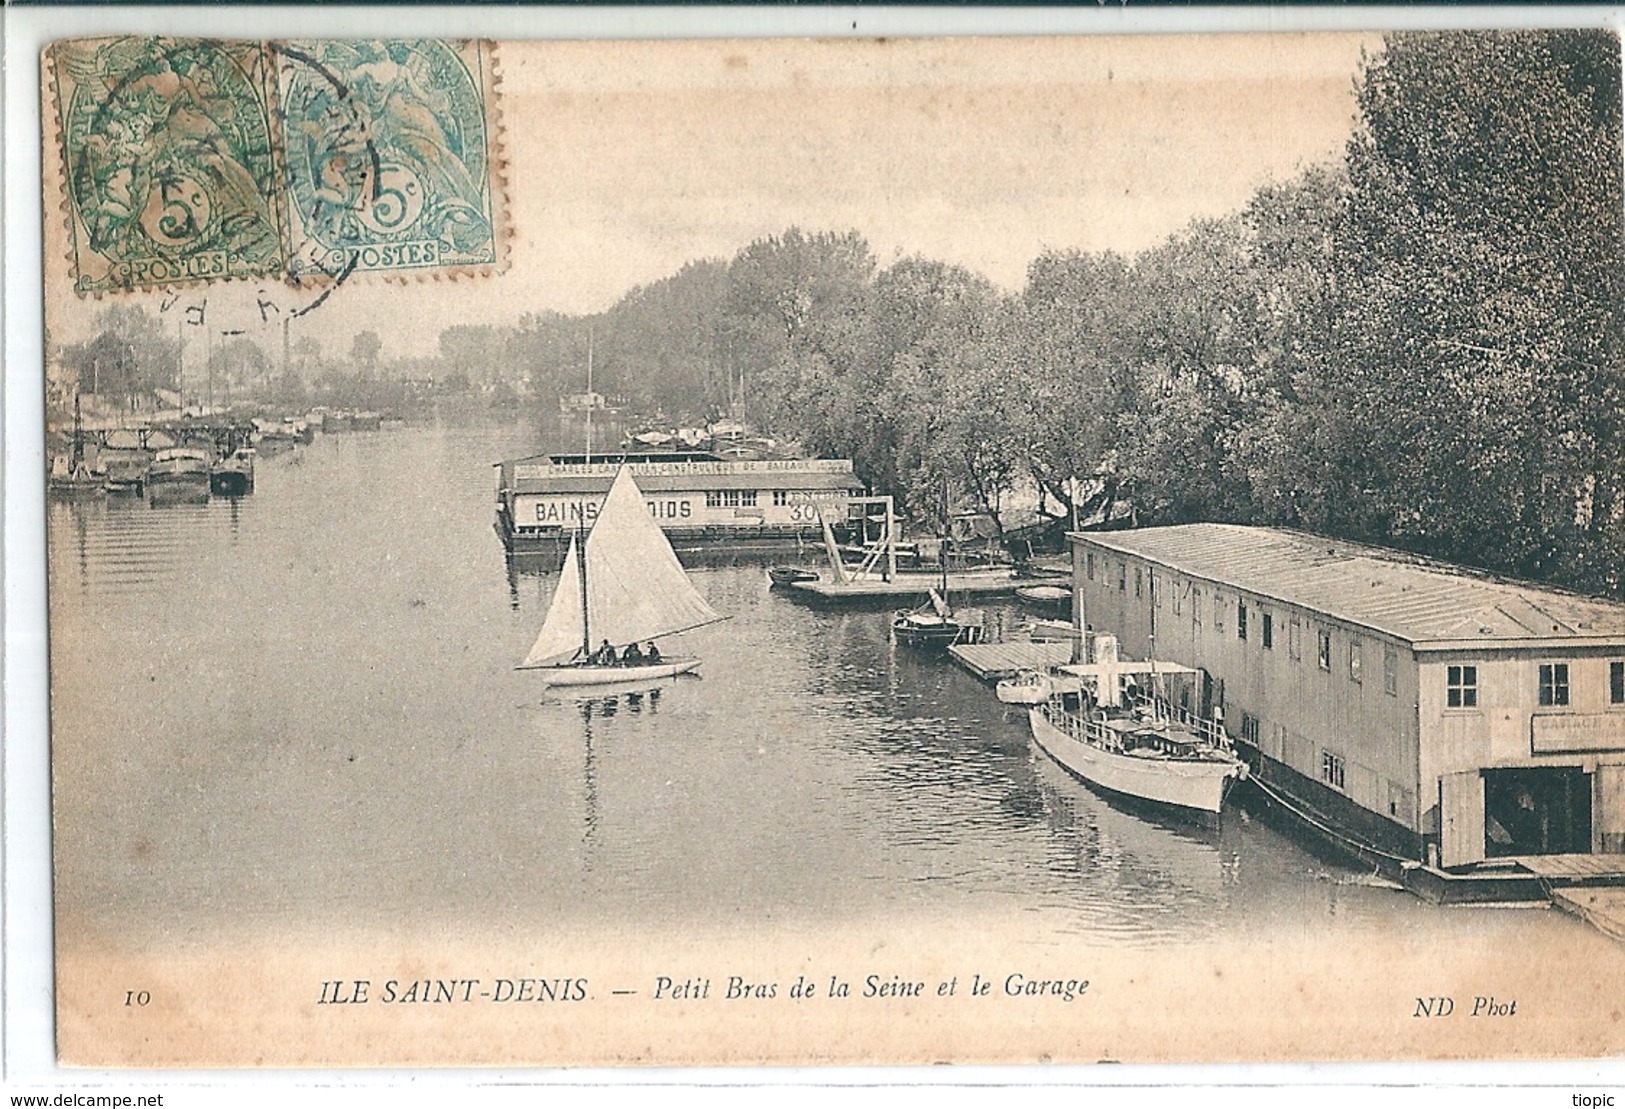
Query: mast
{"points": [[1080, 606], [1151, 595], [581, 566], [78, 436], [581, 518]]}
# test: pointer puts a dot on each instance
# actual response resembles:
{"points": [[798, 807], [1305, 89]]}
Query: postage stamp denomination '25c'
{"points": [[194, 160]]}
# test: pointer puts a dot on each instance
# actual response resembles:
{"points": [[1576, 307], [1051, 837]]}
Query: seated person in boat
{"points": [[631, 656], [604, 656], [651, 654]]}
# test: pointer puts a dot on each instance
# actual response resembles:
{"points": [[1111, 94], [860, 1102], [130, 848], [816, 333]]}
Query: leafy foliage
{"points": [[1421, 345]]}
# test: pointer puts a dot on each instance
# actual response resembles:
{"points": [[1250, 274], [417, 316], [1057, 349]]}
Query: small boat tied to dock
{"points": [[620, 583], [936, 625], [1115, 724]]}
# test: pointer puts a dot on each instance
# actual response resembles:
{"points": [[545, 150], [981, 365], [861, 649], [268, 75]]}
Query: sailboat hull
{"points": [[616, 675]]}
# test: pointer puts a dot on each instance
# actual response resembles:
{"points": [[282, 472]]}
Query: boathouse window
{"points": [[1218, 613], [1390, 671], [1139, 582], [1554, 683], [1178, 603], [730, 498], [1089, 565], [1241, 619], [1294, 638], [1616, 683], [1250, 730], [1122, 577], [1332, 770], [781, 497], [1354, 661], [1461, 687], [1196, 606], [1324, 651], [1266, 632]]}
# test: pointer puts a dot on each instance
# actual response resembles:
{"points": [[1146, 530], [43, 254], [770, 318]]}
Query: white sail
{"points": [[636, 588], [562, 635]]}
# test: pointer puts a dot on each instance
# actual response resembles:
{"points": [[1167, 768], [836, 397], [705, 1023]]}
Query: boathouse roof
{"points": [[1403, 595]]}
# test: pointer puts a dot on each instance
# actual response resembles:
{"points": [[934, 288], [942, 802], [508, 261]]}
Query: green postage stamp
{"points": [[196, 160]]}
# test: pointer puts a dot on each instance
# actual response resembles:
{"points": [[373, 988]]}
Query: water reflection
{"points": [[304, 704]]}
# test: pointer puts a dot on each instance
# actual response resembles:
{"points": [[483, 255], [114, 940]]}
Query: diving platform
{"points": [[994, 661], [913, 586]]}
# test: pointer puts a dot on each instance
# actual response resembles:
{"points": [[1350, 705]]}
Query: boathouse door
{"points": [[1537, 810], [1461, 818]]}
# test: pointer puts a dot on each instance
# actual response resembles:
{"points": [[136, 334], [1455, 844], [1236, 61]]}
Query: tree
{"points": [[1067, 354], [933, 400], [128, 357], [1476, 347], [794, 315], [472, 351], [364, 350]]}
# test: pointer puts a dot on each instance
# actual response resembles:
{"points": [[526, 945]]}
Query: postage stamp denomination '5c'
{"points": [[195, 160], [388, 155], [170, 168]]}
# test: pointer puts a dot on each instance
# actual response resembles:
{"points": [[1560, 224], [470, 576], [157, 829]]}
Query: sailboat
{"points": [[71, 475], [935, 625], [621, 583]]}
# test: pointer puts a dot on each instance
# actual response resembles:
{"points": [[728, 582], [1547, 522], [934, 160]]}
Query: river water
{"points": [[301, 707]]}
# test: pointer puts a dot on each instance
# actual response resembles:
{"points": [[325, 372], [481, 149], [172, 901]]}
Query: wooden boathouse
{"points": [[1439, 715]]}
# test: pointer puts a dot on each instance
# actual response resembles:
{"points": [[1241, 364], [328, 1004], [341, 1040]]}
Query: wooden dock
{"points": [[993, 661], [1602, 907], [1565, 869], [1592, 887], [912, 586]]}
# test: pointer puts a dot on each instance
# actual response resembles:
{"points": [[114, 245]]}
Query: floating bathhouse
{"points": [[695, 496], [1434, 713]]}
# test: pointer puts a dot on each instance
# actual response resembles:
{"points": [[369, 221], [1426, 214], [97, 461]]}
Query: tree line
{"points": [[135, 358], [1419, 346]]}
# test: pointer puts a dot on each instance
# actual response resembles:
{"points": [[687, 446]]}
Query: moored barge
{"points": [[695, 496]]}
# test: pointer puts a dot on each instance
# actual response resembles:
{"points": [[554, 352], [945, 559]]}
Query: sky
{"points": [[626, 160]]}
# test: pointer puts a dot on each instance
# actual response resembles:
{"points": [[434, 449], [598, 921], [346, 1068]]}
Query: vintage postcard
{"points": [[865, 551]]}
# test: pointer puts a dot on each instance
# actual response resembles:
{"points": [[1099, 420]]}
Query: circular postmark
{"points": [[385, 155], [169, 158]]}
